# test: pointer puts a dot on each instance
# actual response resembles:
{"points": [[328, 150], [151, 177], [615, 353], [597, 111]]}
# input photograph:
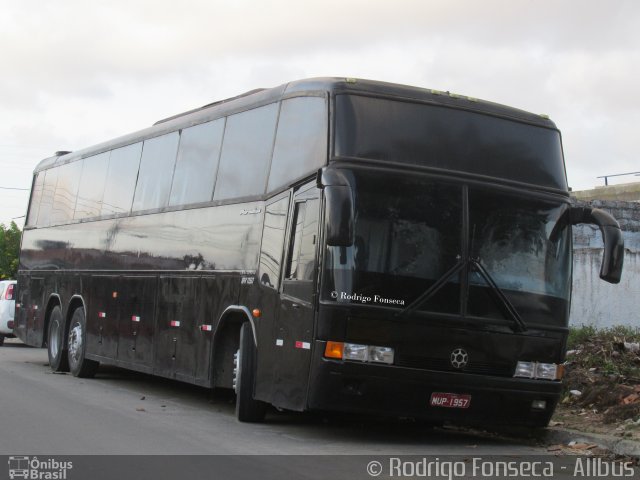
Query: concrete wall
{"points": [[594, 301], [629, 192]]}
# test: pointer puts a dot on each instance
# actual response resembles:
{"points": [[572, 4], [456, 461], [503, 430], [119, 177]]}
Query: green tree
{"points": [[9, 250]]}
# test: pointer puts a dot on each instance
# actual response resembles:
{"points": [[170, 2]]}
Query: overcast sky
{"points": [[77, 72]]}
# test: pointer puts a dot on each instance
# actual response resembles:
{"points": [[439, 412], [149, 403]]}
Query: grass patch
{"points": [[604, 365], [587, 334], [605, 350]]}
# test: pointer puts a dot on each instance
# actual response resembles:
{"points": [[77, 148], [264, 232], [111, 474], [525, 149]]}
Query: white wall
{"points": [[594, 301]]}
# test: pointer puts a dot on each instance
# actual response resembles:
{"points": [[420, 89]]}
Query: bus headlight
{"points": [[360, 353], [525, 370], [540, 371], [381, 354], [353, 351], [546, 371]]}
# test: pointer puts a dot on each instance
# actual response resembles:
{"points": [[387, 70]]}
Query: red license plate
{"points": [[450, 400]]}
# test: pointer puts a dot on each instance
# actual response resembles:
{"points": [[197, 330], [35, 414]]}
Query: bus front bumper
{"points": [[407, 392]]}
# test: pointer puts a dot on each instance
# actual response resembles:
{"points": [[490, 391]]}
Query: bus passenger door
{"points": [[267, 293], [294, 328]]}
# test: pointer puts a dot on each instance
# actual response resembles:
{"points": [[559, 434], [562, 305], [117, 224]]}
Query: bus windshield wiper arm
{"points": [[513, 313], [433, 289]]}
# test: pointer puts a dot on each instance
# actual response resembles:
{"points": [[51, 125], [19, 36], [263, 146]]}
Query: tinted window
{"points": [[64, 201], [92, 181], [301, 141], [307, 257], [121, 179], [246, 151], [522, 247], [296, 241], [156, 172], [449, 139], [408, 238], [197, 163], [275, 224], [516, 241], [300, 267], [36, 196], [48, 192]]}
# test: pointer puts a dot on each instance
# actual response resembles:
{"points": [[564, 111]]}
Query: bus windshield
{"points": [[409, 235]]}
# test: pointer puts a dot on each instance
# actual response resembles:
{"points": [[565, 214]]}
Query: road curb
{"points": [[619, 446]]}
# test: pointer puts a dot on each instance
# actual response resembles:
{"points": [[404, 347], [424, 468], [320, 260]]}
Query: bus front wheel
{"points": [[247, 408], [56, 348], [77, 346]]}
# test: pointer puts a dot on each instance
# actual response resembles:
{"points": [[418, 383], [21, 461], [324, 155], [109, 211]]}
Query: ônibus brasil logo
{"points": [[38, 469]]}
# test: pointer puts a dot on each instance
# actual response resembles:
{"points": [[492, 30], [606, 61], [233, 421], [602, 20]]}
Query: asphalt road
{"points": [[126, 413]]}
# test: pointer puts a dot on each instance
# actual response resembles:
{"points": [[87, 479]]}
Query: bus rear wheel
{"points": [[79, 365], [247, 408], [56, 348]]}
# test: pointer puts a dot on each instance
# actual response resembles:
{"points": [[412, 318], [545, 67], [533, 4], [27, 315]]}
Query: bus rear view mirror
{"points": [[613, 257], [339, 216]]}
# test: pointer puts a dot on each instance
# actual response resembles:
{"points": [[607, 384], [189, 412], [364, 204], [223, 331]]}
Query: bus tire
{"points": [[56, 348], [247, 408], [79, 365]]}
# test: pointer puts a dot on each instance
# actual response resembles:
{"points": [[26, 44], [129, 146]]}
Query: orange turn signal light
{"points": [[256, 313], [334, 350]]}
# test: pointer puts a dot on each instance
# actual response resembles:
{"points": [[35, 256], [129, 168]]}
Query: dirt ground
{"points": [[593, 421], [602, 383]]}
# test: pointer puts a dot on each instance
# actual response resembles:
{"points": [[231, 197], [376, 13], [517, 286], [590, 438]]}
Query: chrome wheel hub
{"points": [[75, 343], [236, 368], [54, 341]]}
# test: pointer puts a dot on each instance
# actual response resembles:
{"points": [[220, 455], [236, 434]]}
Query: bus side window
{"points": [[121, 177], [64, 199], [156, 171], [92, 182], [301, 140], [46, 198], [302, 254], [197, 163], [307, 257], [275, 225], [36, 196], [296, 240], [246, 153]]}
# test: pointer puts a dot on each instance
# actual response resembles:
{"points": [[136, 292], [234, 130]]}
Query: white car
{"points": [[7, 308]]}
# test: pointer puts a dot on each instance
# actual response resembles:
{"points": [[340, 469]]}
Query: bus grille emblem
{"points": [[459, 358]]}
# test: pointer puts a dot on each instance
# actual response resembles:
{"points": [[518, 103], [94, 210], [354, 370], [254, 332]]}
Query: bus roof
{"points": [[312, 86]]}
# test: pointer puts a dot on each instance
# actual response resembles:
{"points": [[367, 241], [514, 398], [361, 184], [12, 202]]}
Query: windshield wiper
{"points": [[433, 289], [511, 310], [520, 326]]}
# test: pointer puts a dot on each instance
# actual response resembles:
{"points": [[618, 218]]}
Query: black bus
{"points": [[329, 244]]}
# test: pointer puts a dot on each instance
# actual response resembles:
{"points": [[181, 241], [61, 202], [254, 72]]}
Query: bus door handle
{"points": [[295, 305]]}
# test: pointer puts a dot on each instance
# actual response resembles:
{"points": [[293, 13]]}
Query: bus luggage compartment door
{"points": [[137, 321], [178, 304], [102, 317]]}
